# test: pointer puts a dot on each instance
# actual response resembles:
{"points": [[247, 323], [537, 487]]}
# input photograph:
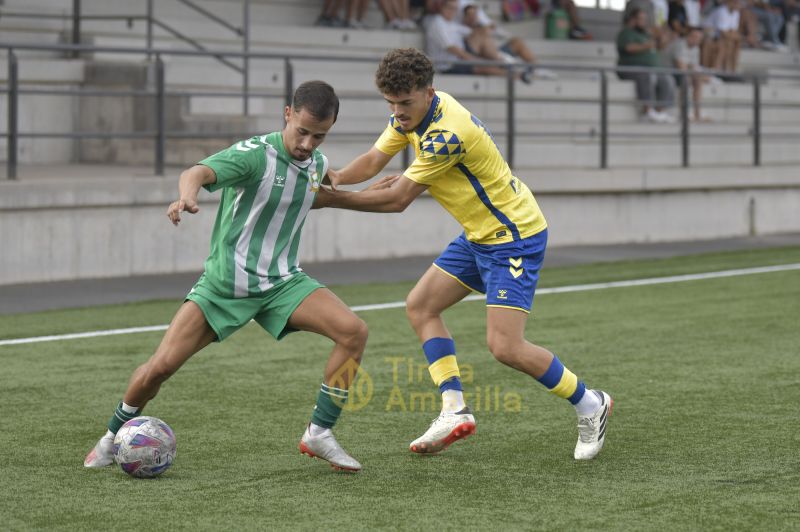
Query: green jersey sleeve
{"points": [[242, 164]]}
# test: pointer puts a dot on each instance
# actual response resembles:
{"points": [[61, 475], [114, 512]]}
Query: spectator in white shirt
{"points": [[722, 26]]}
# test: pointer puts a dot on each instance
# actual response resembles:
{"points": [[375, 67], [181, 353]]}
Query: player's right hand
{"points": [[177, 207]]}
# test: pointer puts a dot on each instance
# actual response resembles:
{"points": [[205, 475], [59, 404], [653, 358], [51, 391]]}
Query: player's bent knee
{"points": [[354, 336], [503, 350]]}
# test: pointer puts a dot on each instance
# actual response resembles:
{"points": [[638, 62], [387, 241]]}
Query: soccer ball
{"points": [[144, 447]]}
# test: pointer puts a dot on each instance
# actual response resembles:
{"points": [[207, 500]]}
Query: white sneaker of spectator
{"points": [[651, 116], [665, 118], [544, 73]]}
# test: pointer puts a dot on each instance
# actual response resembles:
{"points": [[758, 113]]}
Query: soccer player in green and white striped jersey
{"points": [[269, 183]]}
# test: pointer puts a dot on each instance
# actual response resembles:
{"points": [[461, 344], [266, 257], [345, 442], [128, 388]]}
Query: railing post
{"points": [[685, 120], [756, 121], [149, 28], [246, 58], [510, 118], [11, 138], [159, 116], [288, 82], [603, 119], [76, 25]]}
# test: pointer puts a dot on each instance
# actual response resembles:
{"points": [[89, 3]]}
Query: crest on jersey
{"points": [[440, 144]]}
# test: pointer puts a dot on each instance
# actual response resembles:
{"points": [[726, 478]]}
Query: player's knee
{"points": [[416, 309], [502, 348], [157, 372], [354, 336]]}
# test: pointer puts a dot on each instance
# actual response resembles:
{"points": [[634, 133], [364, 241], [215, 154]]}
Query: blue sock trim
{"points": [[451, 384], [437, 348], [578, 395], [553, 374]]}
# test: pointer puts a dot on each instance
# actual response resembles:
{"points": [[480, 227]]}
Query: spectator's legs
{"points": [[772, 22], [748, 26], [519, 48], [388, 9], [644, 87], [697, 89], [665, 91], [732, 56]]}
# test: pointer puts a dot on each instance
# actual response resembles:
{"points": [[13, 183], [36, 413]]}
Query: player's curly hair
{"points": [[404, 70]]}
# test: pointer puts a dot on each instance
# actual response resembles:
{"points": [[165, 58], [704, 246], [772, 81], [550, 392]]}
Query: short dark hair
{"points": [[318, 98], [403, 70]]}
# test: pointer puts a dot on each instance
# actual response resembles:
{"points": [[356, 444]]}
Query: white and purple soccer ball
{"points": [[144, 447]]}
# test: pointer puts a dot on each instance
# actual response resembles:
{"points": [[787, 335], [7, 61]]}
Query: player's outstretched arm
{"points": [[389, 194], [365, 166], [188, 186]]}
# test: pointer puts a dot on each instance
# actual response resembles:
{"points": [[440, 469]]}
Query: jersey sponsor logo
{"points": [[516, 267], [501, 234]]}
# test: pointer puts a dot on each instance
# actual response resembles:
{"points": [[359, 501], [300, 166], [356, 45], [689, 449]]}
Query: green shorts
{"points": [[272, 311]]}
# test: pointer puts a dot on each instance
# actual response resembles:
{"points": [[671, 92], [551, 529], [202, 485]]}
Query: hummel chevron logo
{"points": [[246, 145], [515, 262], [515, 267]]}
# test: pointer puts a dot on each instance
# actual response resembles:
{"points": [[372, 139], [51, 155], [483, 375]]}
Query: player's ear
{"points": [[287, 113]]}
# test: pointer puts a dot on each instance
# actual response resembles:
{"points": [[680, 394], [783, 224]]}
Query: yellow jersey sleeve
{"points": [[439, 151], [393, 139]]}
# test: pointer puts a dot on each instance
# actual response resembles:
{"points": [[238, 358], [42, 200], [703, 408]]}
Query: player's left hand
{"points": [[384, 182]]}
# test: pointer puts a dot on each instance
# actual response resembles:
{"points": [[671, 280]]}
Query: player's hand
{"points": [[384, 182], [332, 178], [182, 205]]}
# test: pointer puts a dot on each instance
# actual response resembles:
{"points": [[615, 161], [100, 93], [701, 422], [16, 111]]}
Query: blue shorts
{"points": [[506, 273]]}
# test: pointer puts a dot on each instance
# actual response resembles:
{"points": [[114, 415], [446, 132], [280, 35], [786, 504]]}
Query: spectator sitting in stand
{"points": [[447, 42], [684, 53], [722, 49], [770, 15], [512, 48], [637, 47]]}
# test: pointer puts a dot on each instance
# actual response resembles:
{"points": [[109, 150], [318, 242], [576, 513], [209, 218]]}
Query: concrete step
{"points": [[44, 70]]}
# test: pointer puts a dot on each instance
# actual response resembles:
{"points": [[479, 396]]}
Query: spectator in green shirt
{"points": [[637, 48]]}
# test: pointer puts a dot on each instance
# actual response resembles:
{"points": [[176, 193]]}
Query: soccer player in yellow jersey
{"points": [[499, 253]]}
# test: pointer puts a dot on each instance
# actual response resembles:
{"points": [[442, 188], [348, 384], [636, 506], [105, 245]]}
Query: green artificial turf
{"points": [[704, 375]]}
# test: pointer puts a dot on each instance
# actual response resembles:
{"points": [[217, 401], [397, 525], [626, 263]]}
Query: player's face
{"points": [[409, 108], [303, 133]]}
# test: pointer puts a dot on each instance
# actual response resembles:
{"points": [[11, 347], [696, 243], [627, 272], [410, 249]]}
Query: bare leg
{"points": [[519, 48], [324, 313], [434, 292], [188, 333], [505, 336]]}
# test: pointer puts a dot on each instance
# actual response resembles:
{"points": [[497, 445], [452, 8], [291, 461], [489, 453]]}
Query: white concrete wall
{"points": [[54, 230]]}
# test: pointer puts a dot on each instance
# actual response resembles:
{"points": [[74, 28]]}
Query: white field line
{"points": [[400, 304]]}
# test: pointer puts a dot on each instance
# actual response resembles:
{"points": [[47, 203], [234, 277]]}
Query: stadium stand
{"points": [[556, 122]]}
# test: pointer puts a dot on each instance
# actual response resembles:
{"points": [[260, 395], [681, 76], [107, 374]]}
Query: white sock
{"points": [[316, 430], [128, 409], [588, 404], [452, 401]]}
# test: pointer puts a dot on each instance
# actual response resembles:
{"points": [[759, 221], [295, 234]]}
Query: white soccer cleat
{"points": [[325, 446], [592, 429], [102, 455], [449, 427]]}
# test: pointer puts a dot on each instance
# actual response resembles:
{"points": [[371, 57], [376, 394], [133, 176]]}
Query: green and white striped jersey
{"points": [[266, 196]]}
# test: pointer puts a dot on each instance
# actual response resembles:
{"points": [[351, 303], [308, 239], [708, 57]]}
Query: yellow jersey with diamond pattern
{"points": [[459, 161]]}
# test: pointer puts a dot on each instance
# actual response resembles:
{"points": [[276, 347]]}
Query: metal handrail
{"points": [[160, 93], [77, 16]]}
